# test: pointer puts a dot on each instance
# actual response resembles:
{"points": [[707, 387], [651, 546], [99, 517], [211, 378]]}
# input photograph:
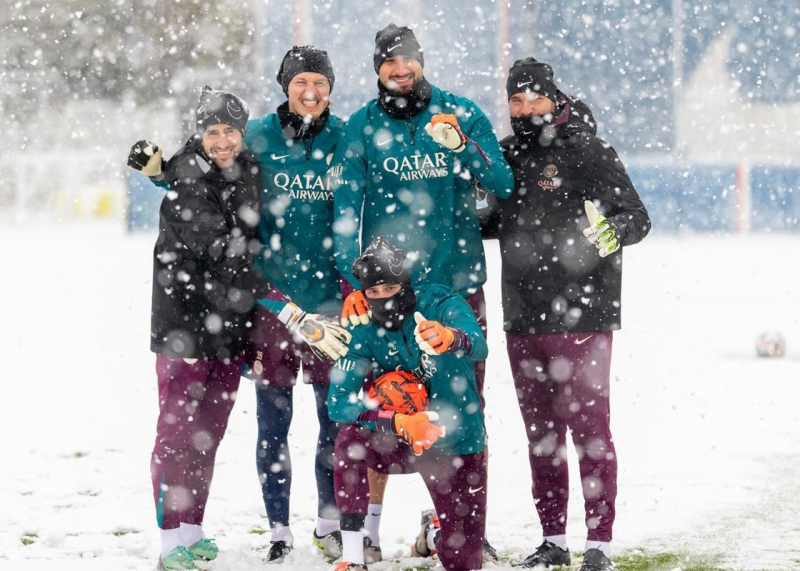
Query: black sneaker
{"points": [[548, 555], [278, 551], [596, 560], [489, 552], [372, 553]]}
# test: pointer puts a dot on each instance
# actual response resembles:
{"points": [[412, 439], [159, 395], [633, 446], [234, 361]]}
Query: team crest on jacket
{"points": [[551, 183], [417, 167]]}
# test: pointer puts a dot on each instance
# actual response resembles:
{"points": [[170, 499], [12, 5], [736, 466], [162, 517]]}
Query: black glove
{"points": [[145, 157]]}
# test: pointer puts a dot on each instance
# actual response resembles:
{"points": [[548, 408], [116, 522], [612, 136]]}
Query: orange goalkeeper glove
{"points": [[444, 129], [355, 310], [434, 338], [417, 430]]}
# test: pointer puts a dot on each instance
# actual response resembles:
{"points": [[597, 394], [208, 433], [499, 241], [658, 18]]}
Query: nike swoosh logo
{"points": [[275, 157], [391, 352], [384, 143], [475, 490], [523, 84], [394, 47], [582, 341]]}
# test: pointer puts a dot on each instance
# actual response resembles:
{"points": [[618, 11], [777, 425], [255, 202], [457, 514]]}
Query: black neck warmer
{"points": [[295, 127], [541, 129], [391, 312], [405, 106]]}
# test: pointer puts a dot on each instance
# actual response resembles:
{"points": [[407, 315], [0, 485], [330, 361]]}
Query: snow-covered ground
{"points": [[708, 435]]}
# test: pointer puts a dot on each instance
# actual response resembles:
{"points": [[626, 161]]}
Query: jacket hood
{"points": [[578, 117]]}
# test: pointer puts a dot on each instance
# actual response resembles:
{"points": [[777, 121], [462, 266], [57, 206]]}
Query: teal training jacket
{"points": [[417, 193], [297, 212], [450, 378]]}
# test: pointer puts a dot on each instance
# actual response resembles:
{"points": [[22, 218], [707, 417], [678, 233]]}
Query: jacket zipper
{"points": [[309, 144], [405, 342], [411, 130]]}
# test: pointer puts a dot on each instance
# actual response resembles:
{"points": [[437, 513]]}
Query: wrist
{"points": [[460, 341], [385, 421], [290, 315]]}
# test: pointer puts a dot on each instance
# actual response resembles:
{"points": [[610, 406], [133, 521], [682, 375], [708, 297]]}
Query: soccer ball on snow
{"points": [[399, 391], [770, 344]]}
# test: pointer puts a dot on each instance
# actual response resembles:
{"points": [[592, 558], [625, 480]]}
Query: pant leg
{"points": [[545, 428], [274, 360], [358, 449], [477, 301], [585, 399], [211, 417], [181, 389], [457, 485], [323, 464], [273, 461]]}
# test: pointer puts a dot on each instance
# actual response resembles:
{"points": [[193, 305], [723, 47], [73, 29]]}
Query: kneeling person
{"points": [[432, 332]]}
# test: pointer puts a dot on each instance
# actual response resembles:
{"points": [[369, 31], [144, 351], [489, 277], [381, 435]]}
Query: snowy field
{"points": [[708, 435]]}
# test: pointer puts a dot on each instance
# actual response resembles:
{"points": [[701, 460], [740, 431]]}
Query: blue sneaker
{"points": [[179, 559], [205, 550]]}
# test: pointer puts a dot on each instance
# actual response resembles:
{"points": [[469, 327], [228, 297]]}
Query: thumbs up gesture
{"points": [[431, 336]]}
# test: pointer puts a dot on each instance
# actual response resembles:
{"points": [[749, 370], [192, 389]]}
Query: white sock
{"points": [[560, 540], [433, 532], [604, 546], [353, 547], [191, 534], [373, 523], [282, 533], [326, 526], [170, 539]]}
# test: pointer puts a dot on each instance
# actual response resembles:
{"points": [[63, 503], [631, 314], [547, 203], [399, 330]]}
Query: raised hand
{"points": [[444, 129], [145, 157], [431, 336], [355, 310]]}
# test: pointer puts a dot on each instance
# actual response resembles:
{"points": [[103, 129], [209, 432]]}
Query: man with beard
{"points": [[428, 330], [409, 160], [204, 287], [293, 148], [562, 299]]}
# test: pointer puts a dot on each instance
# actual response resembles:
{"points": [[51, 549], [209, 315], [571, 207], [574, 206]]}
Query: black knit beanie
{"points": [[300, 59], [392, 41], [527, 74], [217, 107], [381, 263]]}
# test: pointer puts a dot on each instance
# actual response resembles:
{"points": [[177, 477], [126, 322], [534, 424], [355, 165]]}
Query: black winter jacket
{"points": [[554, 280], [204, 283]]}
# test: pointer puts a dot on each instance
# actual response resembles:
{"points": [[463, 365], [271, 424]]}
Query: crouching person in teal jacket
{"points": [[429, 331]]}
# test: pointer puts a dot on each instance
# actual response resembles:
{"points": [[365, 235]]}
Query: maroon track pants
{"points": [[562, 381], [457, 485], [195, 402]]}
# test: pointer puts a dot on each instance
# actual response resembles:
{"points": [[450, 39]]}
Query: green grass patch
{"points": [[124, 532], [29, 538], [641, 561], [258, 531]]}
